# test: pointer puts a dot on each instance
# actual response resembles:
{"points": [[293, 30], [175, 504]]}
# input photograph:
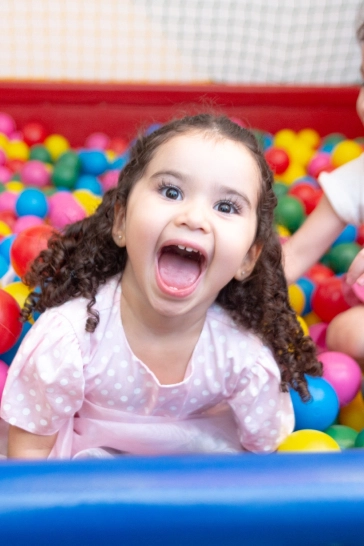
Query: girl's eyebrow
{"points": [[175, 174]]}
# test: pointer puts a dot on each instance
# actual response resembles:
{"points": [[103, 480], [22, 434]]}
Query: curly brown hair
{"points": [[85, 255]]}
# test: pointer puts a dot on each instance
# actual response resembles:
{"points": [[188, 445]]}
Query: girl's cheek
{"points": [[360, 105]]}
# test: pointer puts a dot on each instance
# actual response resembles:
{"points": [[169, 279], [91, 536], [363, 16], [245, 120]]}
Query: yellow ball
{"points": [[4, 229], [292, 173], [296, 298], [15, 186], [19, 291], [56, 145], [311, 318], [17, 149], [352, 415], [4, 141], [301, 152], [88, 200], [309, 440], [310, 136], [303, 325], [283, 231], [345, 151], [110, 155], [285, 138]]}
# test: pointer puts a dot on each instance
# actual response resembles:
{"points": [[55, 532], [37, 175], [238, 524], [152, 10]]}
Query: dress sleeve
{"points": [[45, 384], [263, 413]]}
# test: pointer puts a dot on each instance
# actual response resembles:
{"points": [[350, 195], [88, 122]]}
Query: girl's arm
{"points": [[306, 246], [26, 445]]}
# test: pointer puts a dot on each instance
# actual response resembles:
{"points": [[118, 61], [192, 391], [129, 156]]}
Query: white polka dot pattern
{"points": [[94, 385]]}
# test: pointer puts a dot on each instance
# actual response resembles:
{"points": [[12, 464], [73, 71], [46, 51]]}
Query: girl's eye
{"points": [[171, 192], [227, 207]]}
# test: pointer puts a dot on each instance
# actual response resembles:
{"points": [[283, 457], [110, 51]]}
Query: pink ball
{"points": [[318, 335], [98, 141], [35, 173], [27, 221], [3, 375], [319, 162], [110, 180], [8, 200], [343, 373], [64, 210], [5, 174], [2, 157], [7, 124]]}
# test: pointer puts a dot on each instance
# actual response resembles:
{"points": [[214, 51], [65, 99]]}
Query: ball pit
{"points": [[53, 153]]}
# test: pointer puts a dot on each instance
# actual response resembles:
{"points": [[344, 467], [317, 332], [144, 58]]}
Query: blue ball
{"points": [[93, 162], [9, 355], [267, 140], [348, 235], [5, 247], [307, 286], [89, 182], [120, 162], [321, 411], [4, 266], [32, 201]]}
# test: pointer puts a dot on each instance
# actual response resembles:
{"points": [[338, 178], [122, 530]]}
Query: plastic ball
{"points": [[328, 299], [4, 229], [307, 194], [321, 410], [97, 141], [32, 202], [93, 162], [7, 124], [292, 173], [87, 200], [318, 334], [5, 246], [34, 133], [64, 209], [8, 356], [321, 161], [4, 266], [303, 325], [25, 222], [333, 138], [279, 188], [343, 373], [284, 138], [5, 174], [311, 318], [352, 415], [8, 200], [319, 272], [310, 136], [90, 183], [344, 436], [345, 151], [3, 375], [40, 153], [110, 180], [35, 173], [27, 245], [15, 186], [10, 325], [296, 298], [118, 145], [348, 235], [56, 145], [64, 175], [309, 440], [359, 441], [341, 256], [19, 291], [277, 159], [301, 152], [17, 149], [71, 159], [289, 212], [308, 287]]}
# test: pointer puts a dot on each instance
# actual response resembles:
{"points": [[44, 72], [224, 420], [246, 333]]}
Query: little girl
{"points": [[167, 327]]}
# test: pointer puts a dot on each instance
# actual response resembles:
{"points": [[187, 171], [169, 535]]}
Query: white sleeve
{"points": [[344, 188]]}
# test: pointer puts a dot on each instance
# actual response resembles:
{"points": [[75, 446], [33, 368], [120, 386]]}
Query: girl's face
{"points": [[190, 223], [360, 100]]}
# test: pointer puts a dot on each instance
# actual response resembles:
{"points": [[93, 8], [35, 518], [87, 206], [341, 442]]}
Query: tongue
{"points": [[177, 271]]}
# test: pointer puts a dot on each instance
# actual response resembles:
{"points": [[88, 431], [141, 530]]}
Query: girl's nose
{"points": [[194, 217]]}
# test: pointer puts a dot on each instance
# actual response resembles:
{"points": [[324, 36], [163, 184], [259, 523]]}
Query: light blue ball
{"points": [[307, 286], [5, 247], [32, 201], [321, 411], [93, 162], [89, 182], [348, 235]]}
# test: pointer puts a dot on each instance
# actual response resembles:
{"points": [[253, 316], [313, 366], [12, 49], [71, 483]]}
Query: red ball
{"points": [[360, 235], [27, 246], [10, 325], [34, 133], [277, 159], [307, 194], [9, 217], [328, 299], [319, 272], [15, 165]]}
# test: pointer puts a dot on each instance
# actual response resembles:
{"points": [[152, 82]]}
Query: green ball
{"points": [[341, 255], [64, 176], [259, 135], [359, 442], [280, 189], [333, 138], [343, 435], [70, 159], [289, 212], [16, 177], [2, 187], [40, 153]]}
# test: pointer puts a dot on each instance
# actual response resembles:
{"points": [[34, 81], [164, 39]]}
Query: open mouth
{"points": [[180, 266]]}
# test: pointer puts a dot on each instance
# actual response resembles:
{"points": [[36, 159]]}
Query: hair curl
{"points": [[85, 256]]}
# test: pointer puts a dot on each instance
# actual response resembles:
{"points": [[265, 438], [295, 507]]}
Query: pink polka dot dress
{"points": [[101, 399]]}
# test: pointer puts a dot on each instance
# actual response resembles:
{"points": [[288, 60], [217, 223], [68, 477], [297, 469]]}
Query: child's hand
{"points": [[355, 273]]}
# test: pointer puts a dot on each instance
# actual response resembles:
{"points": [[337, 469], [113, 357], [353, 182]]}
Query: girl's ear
{"points": [[249, 262], [118, 228]]}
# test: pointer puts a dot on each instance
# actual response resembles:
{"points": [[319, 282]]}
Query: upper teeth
{"points": [[187, 248]]}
